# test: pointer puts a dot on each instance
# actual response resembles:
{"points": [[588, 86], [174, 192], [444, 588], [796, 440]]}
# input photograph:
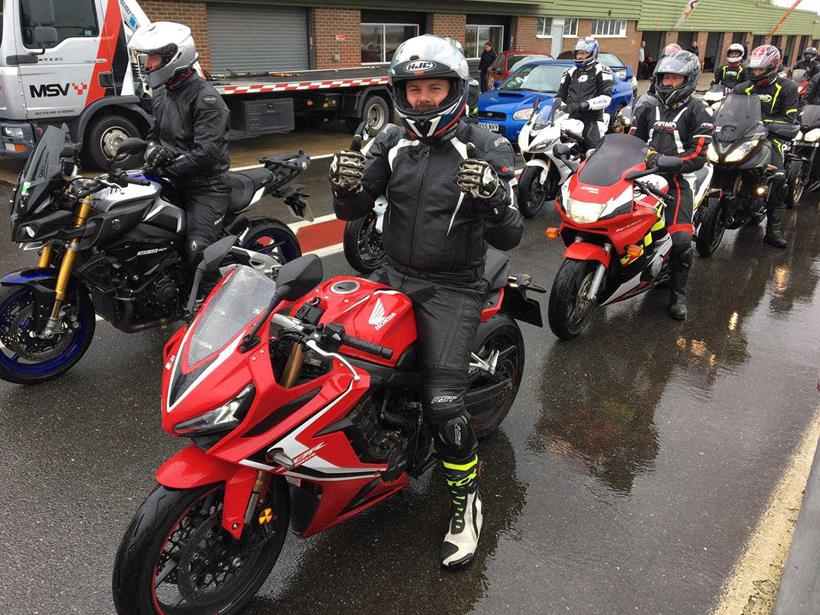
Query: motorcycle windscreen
{"points": [[617, 154], [810, 118], [41, 175], [238, 302], [738, 115]]}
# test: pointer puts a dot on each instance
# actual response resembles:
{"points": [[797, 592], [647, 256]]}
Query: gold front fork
{"points": [[45, 256], [294, 365], [66, 267]]}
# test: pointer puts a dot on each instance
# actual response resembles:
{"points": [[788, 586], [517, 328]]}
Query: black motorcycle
{"points": [[803, 162], [114, 246], [741, 154]]}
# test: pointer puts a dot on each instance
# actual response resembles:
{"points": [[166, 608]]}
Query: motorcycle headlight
{"points": [[224, 418], [523, 114], [741, 151], [584, 213], [812, 136], [711, 153]]}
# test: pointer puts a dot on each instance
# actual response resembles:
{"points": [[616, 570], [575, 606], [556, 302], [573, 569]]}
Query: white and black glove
{"points": [[477, 177], [347, 168]]}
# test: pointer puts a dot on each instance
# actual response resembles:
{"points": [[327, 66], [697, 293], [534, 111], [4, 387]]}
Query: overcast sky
{"points": [[808, 5]]}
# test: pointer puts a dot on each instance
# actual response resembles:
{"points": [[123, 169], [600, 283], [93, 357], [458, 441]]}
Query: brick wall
{"points": [[327, 25], [192, 14], [449, 24], [525, 37], [625, 48]]}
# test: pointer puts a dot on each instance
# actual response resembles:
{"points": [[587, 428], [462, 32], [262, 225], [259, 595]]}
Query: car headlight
{"points": [[812, 136], [523, 114], [13, 132], [711, 153], [743, 150], [224, 418], [584, 213]]}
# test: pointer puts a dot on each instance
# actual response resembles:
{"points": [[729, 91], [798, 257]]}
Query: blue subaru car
{"points": [[508, 108]]}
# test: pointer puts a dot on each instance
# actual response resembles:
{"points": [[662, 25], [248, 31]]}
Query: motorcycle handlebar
{"points": [[368, 347], [654, 191]]}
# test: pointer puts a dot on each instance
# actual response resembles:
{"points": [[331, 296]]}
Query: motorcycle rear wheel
{"points": [[362, 243], [505, 337], [162, 567], [27, 359], [273, 238], [712, 228], [569, 309]]}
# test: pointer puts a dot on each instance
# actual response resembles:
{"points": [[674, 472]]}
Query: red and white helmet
{"points": [[766, 61]]}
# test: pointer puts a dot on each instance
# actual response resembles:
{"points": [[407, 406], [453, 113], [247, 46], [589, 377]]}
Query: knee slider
{"points": [[681, 242], [455, 437]]}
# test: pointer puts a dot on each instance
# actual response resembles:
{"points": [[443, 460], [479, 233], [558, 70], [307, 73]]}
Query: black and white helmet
{"points": [[172, 41], [430, 57], [735, 53], [679, 63], [810, 53], [591, 46]]}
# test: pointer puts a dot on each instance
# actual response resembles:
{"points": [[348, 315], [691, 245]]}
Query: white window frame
{"points": [[568, 21], [384, 37], [622, 31], [480, 48]]}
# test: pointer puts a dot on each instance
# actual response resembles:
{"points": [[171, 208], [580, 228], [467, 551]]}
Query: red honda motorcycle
{"points": [[303, 407], [613, 227]]}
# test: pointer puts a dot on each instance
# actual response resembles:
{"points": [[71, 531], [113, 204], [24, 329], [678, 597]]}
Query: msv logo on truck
{"points": [[46, 90]]}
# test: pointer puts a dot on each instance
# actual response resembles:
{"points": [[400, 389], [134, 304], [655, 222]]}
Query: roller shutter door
{"points": [[250, 38]]}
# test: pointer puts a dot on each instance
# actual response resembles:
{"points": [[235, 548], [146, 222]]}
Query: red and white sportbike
{"points": [[303, 407], [613, 226]]}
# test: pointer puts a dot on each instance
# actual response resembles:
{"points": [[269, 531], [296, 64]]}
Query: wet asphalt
{"points": [[626, 479]]}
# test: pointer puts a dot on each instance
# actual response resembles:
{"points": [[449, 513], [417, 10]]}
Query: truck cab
{"points": [[66, 61]]}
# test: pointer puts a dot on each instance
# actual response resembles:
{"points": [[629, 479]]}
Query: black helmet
{"points": [[430, 57], [810, 53], [678, 63]]}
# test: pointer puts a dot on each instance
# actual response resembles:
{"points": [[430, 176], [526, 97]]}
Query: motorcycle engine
{"points": [[380, 435], [161, 298]]}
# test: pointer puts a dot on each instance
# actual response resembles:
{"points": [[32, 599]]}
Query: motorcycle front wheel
{"points": [[532, 194], [176, 558], [569, 308], [363, 245], [796, 181], [712, 228], [28, 358]]}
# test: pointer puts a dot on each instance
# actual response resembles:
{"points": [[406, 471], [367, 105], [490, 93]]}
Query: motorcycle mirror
{"points": [[212, 255], [669, 164], [131, 145], [298, 276]]}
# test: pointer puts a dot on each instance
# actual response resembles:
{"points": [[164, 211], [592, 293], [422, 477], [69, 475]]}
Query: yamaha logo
{"points": [[419, 66]]}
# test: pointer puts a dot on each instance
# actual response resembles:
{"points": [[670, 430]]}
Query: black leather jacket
{"points": [[191, 120], [779, 100], [430, 225], [592, 85], [685, 131], [729, 76], [812, 67]]}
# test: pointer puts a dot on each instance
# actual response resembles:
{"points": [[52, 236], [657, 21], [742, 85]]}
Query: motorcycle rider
{"points": [[809, 62], [681, 126], [586, 90], [443, 206], [188, 141], [731, 73], [780, 105], [667, 51]]}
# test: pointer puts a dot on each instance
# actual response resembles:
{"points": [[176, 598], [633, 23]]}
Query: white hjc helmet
{"points": [[172, 41]]}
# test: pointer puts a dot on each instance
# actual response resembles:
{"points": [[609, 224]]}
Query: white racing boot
{"points": [[461, 541]]}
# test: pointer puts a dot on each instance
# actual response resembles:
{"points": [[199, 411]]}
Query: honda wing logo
{"points": [[377, 317]]}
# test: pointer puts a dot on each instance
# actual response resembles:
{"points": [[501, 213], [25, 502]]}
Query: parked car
{"points": [[507, 109], [509, 61]]}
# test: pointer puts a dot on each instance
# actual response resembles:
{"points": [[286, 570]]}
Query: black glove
{"points": [[584, 106], [652, 159], [347, 170], [573, 108], [477, 177], [157, 157]]}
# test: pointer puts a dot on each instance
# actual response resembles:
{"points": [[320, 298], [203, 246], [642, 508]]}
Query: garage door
{"points": [[247, 38]]}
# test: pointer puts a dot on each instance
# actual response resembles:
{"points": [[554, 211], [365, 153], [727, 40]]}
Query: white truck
{"points": [[66, 61]]}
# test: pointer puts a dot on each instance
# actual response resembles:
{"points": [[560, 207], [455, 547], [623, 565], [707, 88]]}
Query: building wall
{"points": [[525, 36], [337, 37], [449, 24], [625, 48], [192, 14]]}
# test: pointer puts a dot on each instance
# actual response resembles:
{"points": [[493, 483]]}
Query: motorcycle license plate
{"points": [[492, 127]]}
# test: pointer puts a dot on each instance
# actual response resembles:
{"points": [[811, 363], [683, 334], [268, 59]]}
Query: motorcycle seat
{"points": [[244, 185], [496, 269]]}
